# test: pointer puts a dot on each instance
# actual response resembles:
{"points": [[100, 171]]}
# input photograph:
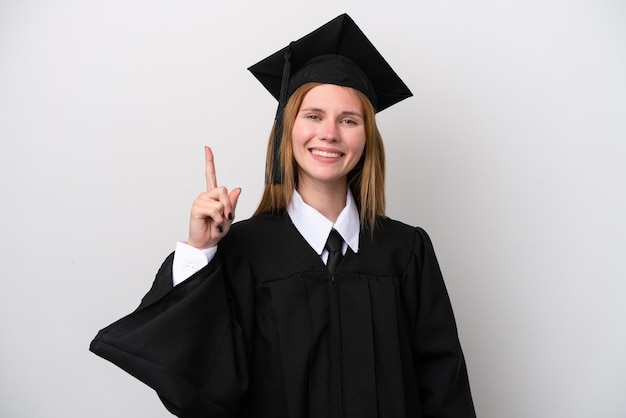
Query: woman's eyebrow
{"points": [[312, 109], [320, 110], [352, 113]]}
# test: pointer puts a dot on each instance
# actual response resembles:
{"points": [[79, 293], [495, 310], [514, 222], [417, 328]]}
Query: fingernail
{"points": [[220, 229], [230, 216]]}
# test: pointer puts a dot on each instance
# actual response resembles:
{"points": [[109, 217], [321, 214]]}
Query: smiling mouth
{"points": [[326, 154]]}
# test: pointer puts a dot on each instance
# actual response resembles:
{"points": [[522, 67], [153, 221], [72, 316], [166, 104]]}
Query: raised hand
{"points": [[213, 211]]}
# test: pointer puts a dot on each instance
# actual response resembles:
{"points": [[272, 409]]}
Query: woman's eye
{"points": [[349, 122], [313, 117]]}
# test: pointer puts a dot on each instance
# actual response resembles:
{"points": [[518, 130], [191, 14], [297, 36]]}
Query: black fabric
{"points": [[333, 69], [333, 246], [339, 37], [252, 335]]}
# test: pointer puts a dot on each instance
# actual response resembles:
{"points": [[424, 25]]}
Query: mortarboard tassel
{"points": [[277, 175]]}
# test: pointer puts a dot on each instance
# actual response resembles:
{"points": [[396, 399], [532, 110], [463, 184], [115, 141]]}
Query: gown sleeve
{"points": [[441, 369], [186, 342]]}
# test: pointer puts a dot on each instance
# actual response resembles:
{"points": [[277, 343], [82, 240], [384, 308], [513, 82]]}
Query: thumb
{"points": [[234, 197]]}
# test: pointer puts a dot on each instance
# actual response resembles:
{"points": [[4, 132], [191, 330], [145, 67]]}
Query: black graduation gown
{"points": [[265, 331]]}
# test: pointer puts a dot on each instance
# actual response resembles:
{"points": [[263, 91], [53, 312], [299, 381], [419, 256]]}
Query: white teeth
{"points": [[321, 153]]}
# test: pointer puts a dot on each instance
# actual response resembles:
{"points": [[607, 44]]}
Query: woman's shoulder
{"points": [[258, 231], [392, 248], [389, 227], [398, 235], [260, 223]]}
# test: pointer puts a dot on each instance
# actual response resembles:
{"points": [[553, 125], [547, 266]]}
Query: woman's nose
{"points": [[329, 131]]}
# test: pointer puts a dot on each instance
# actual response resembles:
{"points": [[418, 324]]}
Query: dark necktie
{"points": [[333, 246]]}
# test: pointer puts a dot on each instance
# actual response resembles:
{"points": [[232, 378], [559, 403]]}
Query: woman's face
{"points": [[328, 135]]}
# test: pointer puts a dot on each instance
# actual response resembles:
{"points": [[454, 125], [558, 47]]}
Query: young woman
{"points": [[264, 317]]}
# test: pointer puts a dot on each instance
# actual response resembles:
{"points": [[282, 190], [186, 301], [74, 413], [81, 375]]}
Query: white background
{"points": [[511, 155]]}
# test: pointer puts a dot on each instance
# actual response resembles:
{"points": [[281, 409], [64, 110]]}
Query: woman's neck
{"points": [[329, 200]]}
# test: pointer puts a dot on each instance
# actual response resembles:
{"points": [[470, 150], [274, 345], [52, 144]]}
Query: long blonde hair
{"points": [[366, 180]]}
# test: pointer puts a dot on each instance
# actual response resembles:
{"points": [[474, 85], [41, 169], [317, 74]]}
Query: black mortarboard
{"points": [[336, 53]]}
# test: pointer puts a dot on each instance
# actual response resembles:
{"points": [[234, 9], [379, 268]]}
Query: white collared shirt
{"points": [[315, 227], [312, 225]]}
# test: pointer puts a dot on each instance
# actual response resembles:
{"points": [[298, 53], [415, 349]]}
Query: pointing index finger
{"points": [[211, 179]]}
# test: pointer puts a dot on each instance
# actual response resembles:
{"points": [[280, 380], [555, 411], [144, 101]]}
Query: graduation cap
{"points": [[336, 53]]}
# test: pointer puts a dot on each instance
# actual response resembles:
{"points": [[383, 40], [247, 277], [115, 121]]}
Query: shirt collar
{"points": [[315, 227]]}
